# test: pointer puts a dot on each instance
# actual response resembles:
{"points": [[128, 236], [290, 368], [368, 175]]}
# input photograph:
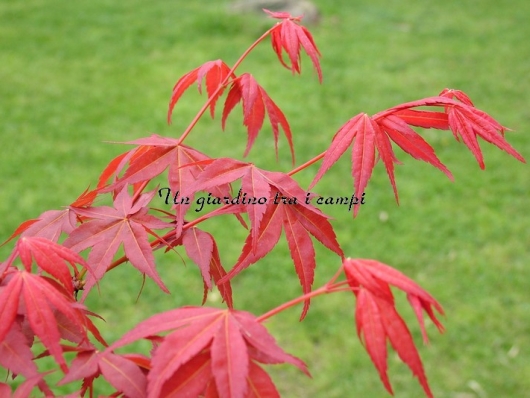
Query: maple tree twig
{"points": [[329, 287], [307, 164]]}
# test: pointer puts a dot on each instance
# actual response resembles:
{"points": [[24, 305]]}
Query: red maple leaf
{"points": [[154, 155], [108, 228], [468, 122], [255, 102], [464, 119], [41, 300], [371, 135], [377, 319], [52, 223], [208, 350], [149, 159], [368, 136], [424, 119], [279, 204], [299, 224], [201, 247], [50, 257], [25, 389], [291, 37], [123, 372], [15, 352], [215, 73]]}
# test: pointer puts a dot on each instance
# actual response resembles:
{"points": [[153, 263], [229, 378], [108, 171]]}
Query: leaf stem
{"points": [[329, 287], [307, 164], [293, 302]]}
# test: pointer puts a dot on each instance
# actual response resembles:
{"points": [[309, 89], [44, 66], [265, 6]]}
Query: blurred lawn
{"points": [[74, 74]]}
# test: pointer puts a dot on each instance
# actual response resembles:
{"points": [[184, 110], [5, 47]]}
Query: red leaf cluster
{"points": [[200, 351], [208, 352], [275, 202], [126, 223], [37, 305], [291, 37], [243, 88], [126, 373], [378, 320], [255, 102], [215, 74], [374, 135]]}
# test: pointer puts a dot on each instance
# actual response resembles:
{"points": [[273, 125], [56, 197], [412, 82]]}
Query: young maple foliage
{"points": [[153, 156], [377, 319], [243, 89], [375, 134], [285, 207], [215, 73], [52, 223], [255, 101], [209, 351], [46, 305], [124, 372], [200, 351], [291, 37], [126, 223]]}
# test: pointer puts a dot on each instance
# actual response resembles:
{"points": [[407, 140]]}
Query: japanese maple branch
{"points": [[192, 124], [222, 85], [206, 216]]}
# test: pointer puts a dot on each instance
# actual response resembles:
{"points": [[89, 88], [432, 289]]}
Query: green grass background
{"points": [[75, 74]]}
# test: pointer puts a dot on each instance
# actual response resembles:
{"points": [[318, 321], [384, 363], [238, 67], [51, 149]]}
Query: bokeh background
{"points": [[76, 74]]}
